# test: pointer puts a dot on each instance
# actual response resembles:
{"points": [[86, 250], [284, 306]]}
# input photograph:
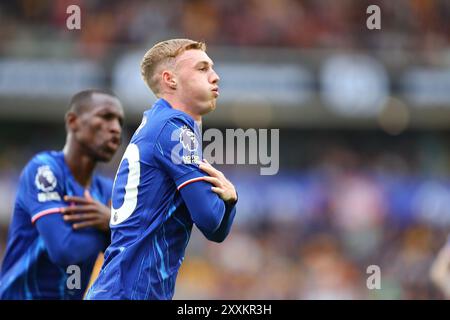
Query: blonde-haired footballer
{"points": [[163, 186]]}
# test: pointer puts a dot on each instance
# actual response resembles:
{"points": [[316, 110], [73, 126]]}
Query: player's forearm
{"points": [[79, 248], [225, 226], [209, 212], [66, 246]]}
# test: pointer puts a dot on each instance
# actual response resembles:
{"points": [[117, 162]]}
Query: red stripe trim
{"points": [[190, 181], [44, 213]]}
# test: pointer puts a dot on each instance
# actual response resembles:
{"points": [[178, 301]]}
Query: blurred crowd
{"points": [[106, 25], [281, 262]]}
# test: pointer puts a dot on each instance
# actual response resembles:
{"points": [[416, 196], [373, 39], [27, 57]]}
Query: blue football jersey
{"points": [[150, 223], [28, 269]]}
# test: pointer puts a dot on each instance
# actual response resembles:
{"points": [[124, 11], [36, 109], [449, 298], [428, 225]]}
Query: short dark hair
{"points": [[80, 100]]}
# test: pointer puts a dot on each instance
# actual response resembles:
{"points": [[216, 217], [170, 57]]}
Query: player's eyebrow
{"points": [[107, 112], [204, 63]]}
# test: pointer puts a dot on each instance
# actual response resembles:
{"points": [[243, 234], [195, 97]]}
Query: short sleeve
{"points": [[41, 188], [178, 152]]}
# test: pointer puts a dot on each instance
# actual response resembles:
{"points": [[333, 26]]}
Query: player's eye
{"points": [[108, 117], [111, 117]]}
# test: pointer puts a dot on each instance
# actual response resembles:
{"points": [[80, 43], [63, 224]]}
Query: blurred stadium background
{"points": [[364, 119]]}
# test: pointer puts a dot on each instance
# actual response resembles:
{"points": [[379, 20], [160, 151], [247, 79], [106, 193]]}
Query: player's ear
{"points": [[71, 121], [168, 79]]}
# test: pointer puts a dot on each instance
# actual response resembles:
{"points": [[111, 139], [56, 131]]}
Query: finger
{"points": [[77, 200], [217, 190], [80, 217], [85, 224], [75, 209], [207, 164], [216, 182], [209, 169], [87, 195]]}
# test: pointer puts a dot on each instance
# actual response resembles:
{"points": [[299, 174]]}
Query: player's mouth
{"points": [[215, 92], [113, 144]]}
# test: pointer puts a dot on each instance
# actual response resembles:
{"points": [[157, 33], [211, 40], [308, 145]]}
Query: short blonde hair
{"points": [[161, 54]]}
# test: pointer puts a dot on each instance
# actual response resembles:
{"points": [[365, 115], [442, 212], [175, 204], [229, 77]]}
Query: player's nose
{"points": [[115, 126], [215, 77]]}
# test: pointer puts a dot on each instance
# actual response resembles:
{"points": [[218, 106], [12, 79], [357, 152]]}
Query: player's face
{"points": [[100, 127], [197, 82]]}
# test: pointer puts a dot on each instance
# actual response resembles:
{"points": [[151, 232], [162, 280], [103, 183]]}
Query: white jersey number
{"points": [[118, 215]]}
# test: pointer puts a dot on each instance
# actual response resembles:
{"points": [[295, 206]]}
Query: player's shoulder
{"points": [[162, 120], [46, 161], [164, 114], [44, 171]]}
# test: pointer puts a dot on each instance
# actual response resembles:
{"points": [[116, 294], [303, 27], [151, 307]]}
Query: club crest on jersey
{"points": [[188, 139], [190, 144], [45, 179]]}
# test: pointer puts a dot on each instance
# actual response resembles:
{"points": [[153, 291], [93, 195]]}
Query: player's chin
{"points": [[105, 154], [207, 106], [211, 106]]}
